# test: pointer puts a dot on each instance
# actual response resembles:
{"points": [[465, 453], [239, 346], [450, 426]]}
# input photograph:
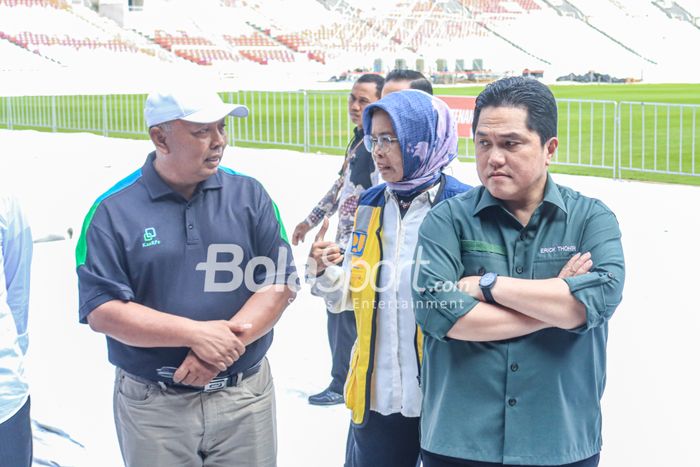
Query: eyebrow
{"points": [[512, 134], [358, 97]]}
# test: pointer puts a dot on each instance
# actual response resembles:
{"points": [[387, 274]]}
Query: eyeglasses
{"points": [[381, 142]]}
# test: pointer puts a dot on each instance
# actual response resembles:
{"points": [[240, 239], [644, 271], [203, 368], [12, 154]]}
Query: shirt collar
{"points": [[551, 196], [431, 193], [157, 188]]}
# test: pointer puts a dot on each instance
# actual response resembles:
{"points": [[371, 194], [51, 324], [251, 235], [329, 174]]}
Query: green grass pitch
{"points": [[658, 138]]}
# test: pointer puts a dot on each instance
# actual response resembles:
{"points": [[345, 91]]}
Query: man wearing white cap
{"points": [[186, 267]]}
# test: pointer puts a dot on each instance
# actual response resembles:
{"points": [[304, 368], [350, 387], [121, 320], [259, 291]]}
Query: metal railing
{"points": [[659, 138], [310, 121], [604, 138], [109, 115], [587, 133]]}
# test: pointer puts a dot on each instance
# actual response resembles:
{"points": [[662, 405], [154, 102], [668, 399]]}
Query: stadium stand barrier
{"points": [[603, 138]]}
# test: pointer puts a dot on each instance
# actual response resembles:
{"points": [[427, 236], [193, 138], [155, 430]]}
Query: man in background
{"points": [[398, 80], [357, 174]]}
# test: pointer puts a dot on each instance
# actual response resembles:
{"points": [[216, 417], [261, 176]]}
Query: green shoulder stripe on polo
{"points": [[283, 232], [231, 171], [476, 245], [81, 247]]}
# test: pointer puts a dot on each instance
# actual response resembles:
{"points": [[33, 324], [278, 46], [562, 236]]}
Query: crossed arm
{"points": [[523, 306], [582, 296]]}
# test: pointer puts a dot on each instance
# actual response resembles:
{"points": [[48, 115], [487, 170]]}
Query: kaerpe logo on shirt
{"points": [[149, 237]]}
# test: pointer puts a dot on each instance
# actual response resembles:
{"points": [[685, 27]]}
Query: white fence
{"points": [[605, 138]]}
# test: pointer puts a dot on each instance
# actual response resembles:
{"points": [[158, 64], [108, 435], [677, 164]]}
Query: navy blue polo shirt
{"points": [[201, 258]]}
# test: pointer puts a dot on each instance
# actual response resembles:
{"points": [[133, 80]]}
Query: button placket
{"points": [[191, 230], [512, 378], [517, 256]]}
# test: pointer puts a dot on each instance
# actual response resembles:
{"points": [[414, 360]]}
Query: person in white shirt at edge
{"points": [[15, 265], [412, 137]]}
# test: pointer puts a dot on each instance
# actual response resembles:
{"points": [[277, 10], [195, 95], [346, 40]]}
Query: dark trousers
{"points": [[16, 439], [341, 337], [385, 440], [436, 460]]}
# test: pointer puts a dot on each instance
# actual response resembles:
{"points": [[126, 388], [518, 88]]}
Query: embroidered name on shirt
{"points": [[558, 249], [149, 237]]}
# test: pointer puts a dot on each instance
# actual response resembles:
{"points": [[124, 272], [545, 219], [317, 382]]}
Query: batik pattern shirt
{"points": [[357, 174]]}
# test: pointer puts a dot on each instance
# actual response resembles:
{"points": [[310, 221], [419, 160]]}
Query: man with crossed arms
{"points": [[516, 283]]}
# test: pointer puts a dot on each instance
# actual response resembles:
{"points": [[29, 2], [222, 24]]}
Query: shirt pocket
{"points": [[359, 277], [479, 263], [550, 267]]}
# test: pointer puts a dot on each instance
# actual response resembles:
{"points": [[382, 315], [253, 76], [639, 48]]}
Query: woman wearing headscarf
{"points": [[412, 138]]}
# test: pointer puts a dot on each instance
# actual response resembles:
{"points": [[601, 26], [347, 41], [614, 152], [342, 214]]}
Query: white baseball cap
{"points": [[189, 105]]}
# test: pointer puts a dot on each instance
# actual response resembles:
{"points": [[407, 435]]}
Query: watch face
{"points": [[487, 279]]}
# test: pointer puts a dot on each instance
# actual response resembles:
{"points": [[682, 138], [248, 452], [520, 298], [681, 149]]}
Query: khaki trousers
{"points": [[178, 427]]}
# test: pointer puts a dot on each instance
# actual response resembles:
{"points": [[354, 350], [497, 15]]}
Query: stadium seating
{"points": [[54, 30], [18, 58], [35, 3], [32, 41], [500, 6], [262, 48], [485, 6], [266, 56], [577, 36], [528, 5], [205, 56], [173, 29], [404, 28], [224, 35], [670, 33], [254, 40]]}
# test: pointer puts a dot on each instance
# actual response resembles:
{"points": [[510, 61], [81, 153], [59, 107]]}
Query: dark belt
{"points": [[221, 382], [216, 384]]}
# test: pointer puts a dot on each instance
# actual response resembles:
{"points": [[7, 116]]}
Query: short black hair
{"points": [[524, 93], [378, 80], [418, 81]]}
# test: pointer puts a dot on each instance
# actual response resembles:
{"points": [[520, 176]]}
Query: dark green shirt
{"points": [[532, 400]]}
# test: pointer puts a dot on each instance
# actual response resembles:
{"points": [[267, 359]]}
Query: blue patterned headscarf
{"points": [[427, 135]]}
